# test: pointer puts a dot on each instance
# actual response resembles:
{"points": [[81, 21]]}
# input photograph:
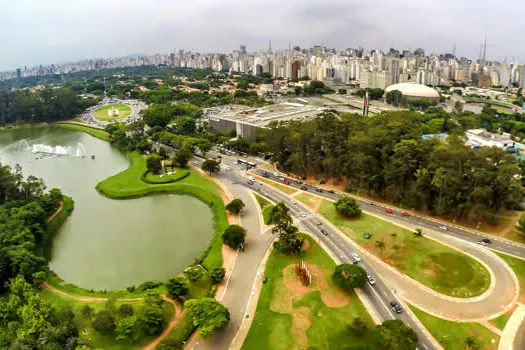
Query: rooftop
{"points": [[263, 116]]}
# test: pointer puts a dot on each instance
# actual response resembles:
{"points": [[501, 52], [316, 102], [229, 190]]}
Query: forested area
{"points": [[48, 105], [386, 156], [24, 209]]}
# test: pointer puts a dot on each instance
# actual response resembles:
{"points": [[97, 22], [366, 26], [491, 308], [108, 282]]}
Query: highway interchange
{"points": [[382, 293]]}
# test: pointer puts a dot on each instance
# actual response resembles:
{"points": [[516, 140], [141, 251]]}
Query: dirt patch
{"points": [[233, 219], [294, 285], [334, 297], [306, 245], [301, 321], [281, 299]]}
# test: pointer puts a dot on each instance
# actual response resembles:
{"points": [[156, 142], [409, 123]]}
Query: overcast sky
{"points": [[51, 31]]}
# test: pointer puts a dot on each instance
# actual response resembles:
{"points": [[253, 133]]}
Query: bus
{"points": [[246, 162]]}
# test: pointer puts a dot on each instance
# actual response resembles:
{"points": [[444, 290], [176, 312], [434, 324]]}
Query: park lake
{"points": [[105, 243]]}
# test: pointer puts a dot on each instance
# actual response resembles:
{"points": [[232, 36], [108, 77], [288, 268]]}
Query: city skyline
{"points": [[57, 32]]}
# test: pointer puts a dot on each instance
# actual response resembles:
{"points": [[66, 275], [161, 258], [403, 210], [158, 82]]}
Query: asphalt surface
{"points": [[519, 340], [497, 244], [240, 284], [380, 295]]}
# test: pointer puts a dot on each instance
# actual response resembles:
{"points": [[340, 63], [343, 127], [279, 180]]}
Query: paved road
{"points": [[380, 295], [239, 288], [519, 340], [498, 244]]}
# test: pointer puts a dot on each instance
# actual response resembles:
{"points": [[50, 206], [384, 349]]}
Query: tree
{"points": [[235, 206], [280, 217], [358, 327], [150, 316], [418, 233], [210, 166], [290, 241], [177, 287], [154, 163], [394, 97], [127, 329], [472, 343], [194, 273], [208, 315], [234, 236], [348, 276], [182, 156], [104, 322], [125, 310], [217, 275], [347, 207], [521, 224], [394, 334], [87, 312]]}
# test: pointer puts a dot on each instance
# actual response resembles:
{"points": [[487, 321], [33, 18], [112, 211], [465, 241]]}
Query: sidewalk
{"points": [[511, 329]]}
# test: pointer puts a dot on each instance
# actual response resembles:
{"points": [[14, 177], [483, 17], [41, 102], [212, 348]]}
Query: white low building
{"points": [[481, 137]]}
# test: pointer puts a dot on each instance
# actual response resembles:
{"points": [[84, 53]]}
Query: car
{"points": [[395, 305], [371, 279], [304, 188], [286, 182], [330, 191], [356, 257], [299, 182], [250, 182], [369, 202], [281, 179], [484, 241], [324, 232], [293, 202], [318, 190], [388, 210], [405, 213], [444, 228], [265, 174], [302, 214]]}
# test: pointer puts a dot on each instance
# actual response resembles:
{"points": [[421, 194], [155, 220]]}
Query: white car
{"points": [[293, 202], [302, 215], [371, 279], [356, 257], [444, 228]]}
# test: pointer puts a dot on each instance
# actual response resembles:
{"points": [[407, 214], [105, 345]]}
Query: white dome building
{"points": [[413, 91]]}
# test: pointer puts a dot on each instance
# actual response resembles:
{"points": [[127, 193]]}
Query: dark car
{"points": [[484, 241], [330, 191], [318, 190], [299, 182], [324, 232], [304, 188], [265, 174], [396, 307]]}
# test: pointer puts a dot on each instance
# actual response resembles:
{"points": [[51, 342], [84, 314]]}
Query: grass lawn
{"points": [[452, 335], [94, 339], [181, 332], [501, 320], [98, 133], [437, 266], [308, 199], [101, 113], [518, 265], [290, 315], [178, 174], [282, 187], [266, 207], [128, 184]]}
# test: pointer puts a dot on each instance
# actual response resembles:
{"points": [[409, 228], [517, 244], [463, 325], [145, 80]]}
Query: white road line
{"points": [[229, 277]]}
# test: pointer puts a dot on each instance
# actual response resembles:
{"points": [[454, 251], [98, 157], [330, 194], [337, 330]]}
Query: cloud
{"points": [[35, 32]]}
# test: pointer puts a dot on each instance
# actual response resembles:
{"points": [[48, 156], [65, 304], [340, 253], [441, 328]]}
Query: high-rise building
{"points": [[18, 73]]}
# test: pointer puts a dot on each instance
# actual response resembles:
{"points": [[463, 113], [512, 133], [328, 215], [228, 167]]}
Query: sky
{"points": [[36, 32]]}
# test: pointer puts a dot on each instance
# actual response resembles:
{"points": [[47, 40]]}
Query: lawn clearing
{"points": [[266, 207], [98, 133], [290, 315], [439, 267], [94, 339], [452, 335], [176, 175], [102, 113], [309, 200]]}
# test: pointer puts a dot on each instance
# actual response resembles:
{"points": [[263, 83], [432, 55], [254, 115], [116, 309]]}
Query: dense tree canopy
{"points": [[348, 276], [209, 316], [235, 206], [348, 207], [234, 236]]}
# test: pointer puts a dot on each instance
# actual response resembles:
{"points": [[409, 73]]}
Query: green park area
{"points": [[439, 267], [98, 133], [104, 113], [290, 315], [518, 265], [135, 311], [266, 207], [458, 335]]}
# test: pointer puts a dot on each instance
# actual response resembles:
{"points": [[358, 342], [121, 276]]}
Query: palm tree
{"points": [[381, 245], [418, 233], [472, 343]]}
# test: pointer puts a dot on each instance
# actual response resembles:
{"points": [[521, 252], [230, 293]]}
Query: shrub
{"points": [[234, 236], [104, 322], [348, 276], [217, 275], [194, 273], [235, 206], [125, 310], [347, 207], [177, 287]]}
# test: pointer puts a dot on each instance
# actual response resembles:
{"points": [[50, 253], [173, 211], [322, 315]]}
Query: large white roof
{"points": [[413, 89]]}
